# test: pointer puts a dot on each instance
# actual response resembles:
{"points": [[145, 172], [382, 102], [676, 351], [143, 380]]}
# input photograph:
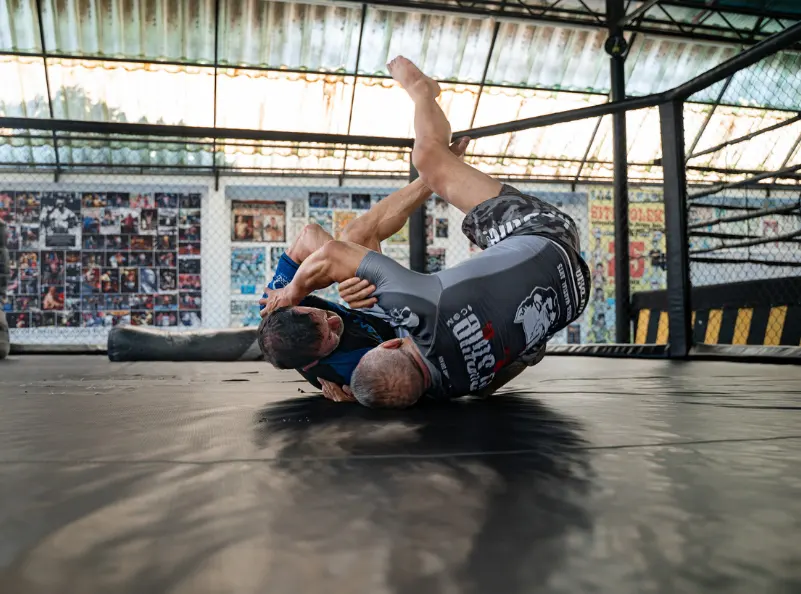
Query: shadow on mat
{"points": [[489, 489]]}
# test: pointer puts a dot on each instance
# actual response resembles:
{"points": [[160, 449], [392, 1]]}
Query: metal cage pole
{"points": [[417, 232], [671, 117], [616, 47]]}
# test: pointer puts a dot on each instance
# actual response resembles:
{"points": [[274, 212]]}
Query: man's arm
{"points": [[389, 216], [334, 262]]}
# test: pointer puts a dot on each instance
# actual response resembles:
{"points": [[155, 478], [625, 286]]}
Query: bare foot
{"points": [[417, 84]]}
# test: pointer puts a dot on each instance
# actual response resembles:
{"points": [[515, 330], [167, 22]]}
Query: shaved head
{"points": [[387, 378]]}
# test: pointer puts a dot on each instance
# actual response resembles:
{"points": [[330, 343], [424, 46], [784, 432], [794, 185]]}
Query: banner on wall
{"points": [[100, 259], [646, 253]]}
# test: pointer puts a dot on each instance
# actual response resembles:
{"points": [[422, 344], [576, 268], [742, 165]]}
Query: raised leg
{"points": [[457, 182]]}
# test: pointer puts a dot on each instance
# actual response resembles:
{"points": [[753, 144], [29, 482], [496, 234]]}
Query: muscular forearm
{"points": [[313, 274], [390, 215], [334, 262]]}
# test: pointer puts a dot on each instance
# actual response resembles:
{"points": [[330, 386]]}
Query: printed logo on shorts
{"points": [[537, 313], [547, 219], [404, 317]]}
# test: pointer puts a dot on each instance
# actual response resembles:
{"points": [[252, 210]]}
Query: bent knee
{"points": [[431, 161]]}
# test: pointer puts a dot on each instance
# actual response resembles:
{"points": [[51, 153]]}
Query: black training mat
{"points": [[592, 475]]}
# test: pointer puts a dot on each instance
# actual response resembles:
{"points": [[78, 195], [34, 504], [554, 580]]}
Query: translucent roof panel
{"points": [[324, 37], [445, 46], [94, 151], [394, 162], [19, 26], [284, 101], [311, 160], [774, 82], [643, 137], [517, 168], [571, 59], [316, 37], [23, 90], [655, 65], [119, 91], [152, 29], [567, 141], [382, 108]]}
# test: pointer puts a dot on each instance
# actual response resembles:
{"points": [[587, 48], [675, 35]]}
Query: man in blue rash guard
{"points": [[322, 340]]}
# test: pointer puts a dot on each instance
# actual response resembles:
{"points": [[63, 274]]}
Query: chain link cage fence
{"points": [[91, 252], [745, 237], [174, 252]]}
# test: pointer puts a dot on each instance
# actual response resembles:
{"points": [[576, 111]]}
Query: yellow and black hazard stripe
{"points": [[759, 312], [766, 326]]}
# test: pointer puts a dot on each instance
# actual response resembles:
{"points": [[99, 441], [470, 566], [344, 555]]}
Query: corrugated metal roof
{"points": [[325, 38]]}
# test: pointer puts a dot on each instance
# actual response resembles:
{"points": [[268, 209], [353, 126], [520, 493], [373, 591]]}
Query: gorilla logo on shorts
{"points": [[404, 317], [537, 313]]}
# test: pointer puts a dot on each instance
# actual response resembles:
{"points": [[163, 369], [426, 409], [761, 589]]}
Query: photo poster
{"points": [[102, 259], [258, 221], [646, 250], [248, 279], [439, 237], [248, 270]]}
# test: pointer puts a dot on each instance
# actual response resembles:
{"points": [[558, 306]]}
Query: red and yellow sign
{"points": [[646, 254]]}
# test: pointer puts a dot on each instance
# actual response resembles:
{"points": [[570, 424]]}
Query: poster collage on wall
{"points": [[102, 259], [261, 230]]}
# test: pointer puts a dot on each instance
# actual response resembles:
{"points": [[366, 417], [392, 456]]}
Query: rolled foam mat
{"points": [[130, 343]]}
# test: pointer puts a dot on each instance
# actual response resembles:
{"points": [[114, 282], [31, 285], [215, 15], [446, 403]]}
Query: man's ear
{"points": [[310, 365], [393, 343]]}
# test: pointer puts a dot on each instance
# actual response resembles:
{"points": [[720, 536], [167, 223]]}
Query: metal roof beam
{"points": [[134, 129], [639, 11], [47, 83], [708, 118], [355, 78]]}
